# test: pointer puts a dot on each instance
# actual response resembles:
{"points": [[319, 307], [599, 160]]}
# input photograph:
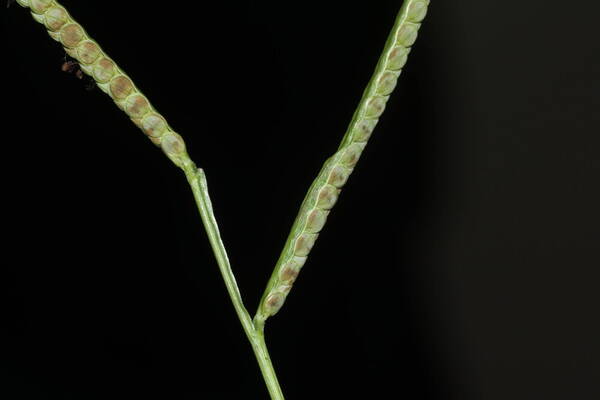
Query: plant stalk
{"points": [[255, 333]]}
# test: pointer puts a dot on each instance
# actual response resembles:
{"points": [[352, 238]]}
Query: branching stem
{"points": [[255, 332], [321, 196]]}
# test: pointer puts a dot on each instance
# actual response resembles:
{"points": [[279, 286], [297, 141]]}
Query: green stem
{"points": [[264, 360], [255, 333]]}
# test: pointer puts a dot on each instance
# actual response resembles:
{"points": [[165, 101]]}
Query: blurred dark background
{"points": [[461, 261]]}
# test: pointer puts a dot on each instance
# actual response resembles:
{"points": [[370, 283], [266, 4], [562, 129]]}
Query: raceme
{"points": [[322, 194]]}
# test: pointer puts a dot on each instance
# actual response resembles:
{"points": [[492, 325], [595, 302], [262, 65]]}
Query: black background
{"points": [[461, 261]]}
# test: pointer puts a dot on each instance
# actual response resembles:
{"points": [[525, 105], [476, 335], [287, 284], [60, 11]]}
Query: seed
{"points": [[120, 87], [104, 70], [88, 52], [288, 274], [274, 302], [39, 6], [407, 34], [172, 144], [136, 106], [338, 176], [154, 125], [352, 154], [327, 197], [397, 58], [55, 18], [71, 35], [417, 11], [375, 106], [316, 220], [291, 269], [304, 244], [363, 129], [387, 83]]}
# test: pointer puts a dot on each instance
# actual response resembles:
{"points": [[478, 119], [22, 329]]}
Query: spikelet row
{"points": [[108, 76], [325, 190]]}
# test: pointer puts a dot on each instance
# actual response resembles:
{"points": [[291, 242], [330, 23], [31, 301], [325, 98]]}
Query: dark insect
{"points": [[72, 67]]}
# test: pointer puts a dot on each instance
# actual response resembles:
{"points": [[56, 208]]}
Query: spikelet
{"points": [[324, 191], [108, 76]]}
